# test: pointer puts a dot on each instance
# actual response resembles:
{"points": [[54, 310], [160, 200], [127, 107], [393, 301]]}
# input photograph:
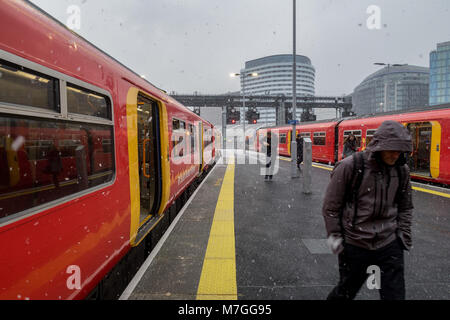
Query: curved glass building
{"points": [[440, 74], [275, 78], [392, 88]]}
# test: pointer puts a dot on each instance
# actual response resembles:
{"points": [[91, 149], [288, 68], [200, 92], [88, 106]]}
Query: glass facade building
{"points": [[275, 78], [392, 88], [440, 74]]}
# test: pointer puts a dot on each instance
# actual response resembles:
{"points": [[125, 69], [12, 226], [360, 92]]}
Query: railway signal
{"points": [[232, 115], [252, 116]]}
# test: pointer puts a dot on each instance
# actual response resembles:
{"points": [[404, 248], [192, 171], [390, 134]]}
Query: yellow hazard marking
{"points": [[314, 165], [218, 278], [322, 167], [442, 194]]}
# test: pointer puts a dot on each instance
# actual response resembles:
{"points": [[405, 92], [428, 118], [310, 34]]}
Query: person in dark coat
{"points": [[349, 146], [299, 140], [268, 144], [376, 229]]}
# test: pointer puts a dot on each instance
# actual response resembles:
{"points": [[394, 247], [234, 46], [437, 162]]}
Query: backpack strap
{"points": [[352, 187], [401, 172]]}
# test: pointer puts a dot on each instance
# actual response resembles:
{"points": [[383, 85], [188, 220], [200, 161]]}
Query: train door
{"points": [[149, 162], [200, 145], [289, 142], [191, 137], [419, 160]]}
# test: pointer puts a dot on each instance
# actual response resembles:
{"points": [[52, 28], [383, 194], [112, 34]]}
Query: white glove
{"points": [[335, 244]]}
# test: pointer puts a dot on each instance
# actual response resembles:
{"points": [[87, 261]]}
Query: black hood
{"points": [[391, 136]]}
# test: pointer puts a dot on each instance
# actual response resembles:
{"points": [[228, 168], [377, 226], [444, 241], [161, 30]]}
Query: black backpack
{"points": [[357, 176]]}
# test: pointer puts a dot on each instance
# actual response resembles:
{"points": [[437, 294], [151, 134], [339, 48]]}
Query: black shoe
{"points": [[266, 177], [270, 177]]}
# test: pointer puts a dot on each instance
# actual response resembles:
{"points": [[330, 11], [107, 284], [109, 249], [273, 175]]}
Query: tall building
{"points": [[440, 74], [392, 88], [275, 78]]}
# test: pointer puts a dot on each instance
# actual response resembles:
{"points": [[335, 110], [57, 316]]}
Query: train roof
{"points": [[443, 109], [45, 13], [132, 76], [400, 112]]}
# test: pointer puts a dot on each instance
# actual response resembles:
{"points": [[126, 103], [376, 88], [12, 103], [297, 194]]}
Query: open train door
{"points": [[200, 145], [145, 163], [426, 139], [149, 159]]}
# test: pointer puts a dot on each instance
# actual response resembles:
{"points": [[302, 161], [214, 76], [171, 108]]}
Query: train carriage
{"points": [[322, 135], [430, 132], [95, 162]]}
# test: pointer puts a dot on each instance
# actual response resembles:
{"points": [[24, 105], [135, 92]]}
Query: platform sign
{"points": [[293, 121]]}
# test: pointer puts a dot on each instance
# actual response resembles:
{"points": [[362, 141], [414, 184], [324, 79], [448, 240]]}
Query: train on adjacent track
{"points": [[95, 162], [429, 128]]}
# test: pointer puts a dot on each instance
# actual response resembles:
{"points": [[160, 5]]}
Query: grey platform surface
{"points": [[280, 242]]}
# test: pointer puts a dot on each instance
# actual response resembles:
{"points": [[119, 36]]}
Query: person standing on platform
{"points": [[349, 146], [270, 156], [299, 150], [368, 211]]}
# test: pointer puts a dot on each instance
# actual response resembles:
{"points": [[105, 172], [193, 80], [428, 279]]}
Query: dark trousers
{"points": [[268, 164], [353, 264]]}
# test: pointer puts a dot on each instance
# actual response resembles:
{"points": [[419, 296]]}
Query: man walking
{"points": [[299, 140], [368, 211]]}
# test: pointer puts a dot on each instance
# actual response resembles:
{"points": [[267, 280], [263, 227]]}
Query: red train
{"points": [[430, 131], [95, 162]]}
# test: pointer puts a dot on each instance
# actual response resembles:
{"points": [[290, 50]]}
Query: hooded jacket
{"points": [[380, 217]]}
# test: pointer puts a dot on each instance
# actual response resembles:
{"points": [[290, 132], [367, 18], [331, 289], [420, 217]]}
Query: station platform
{"points": [[241, 237]]}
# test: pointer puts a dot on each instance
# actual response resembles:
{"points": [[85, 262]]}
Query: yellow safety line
{"points": [[314, 165], [218, 278], [442, 194], [321, 167]]}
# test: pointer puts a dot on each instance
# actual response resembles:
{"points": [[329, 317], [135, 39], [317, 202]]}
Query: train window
{"points": [[178, 124], [85, 102], [319, 138], [283, 138], [356, 133], [175, 124], [206, 137], [45, 160], [21, 86], [178, 130], [369, 136], [305, 134]]}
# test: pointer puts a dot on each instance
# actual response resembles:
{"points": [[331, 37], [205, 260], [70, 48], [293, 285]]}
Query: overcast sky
{"points": [[193, 45]]}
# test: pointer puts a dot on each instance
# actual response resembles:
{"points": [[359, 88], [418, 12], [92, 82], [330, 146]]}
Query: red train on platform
{"points": [[430, 131], [95, 162]]}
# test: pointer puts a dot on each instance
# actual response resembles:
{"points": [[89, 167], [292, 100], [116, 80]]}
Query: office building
{"points": [[275, 78], [440, 74], [392, 88]]}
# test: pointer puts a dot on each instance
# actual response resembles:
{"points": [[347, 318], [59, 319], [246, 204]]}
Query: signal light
{"points": [[233, 121], [254, 121]]}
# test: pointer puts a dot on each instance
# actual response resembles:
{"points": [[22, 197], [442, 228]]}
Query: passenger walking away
{"points": [[270, 156], [349, 146], [368, 211], [299, 140]]}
